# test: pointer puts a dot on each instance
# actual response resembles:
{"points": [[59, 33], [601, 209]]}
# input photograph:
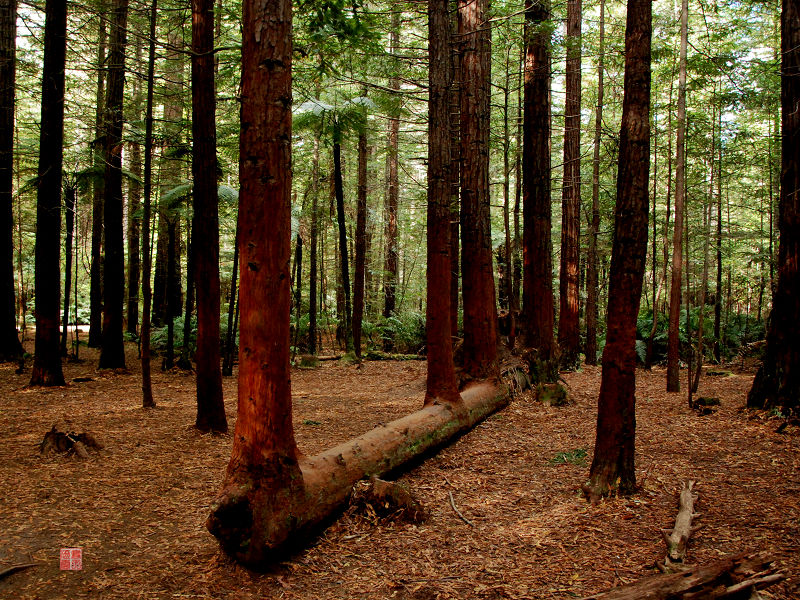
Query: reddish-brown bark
{"points": [[47, 359], [537, 285], [263, 475], [477, 277], [777, 383], [441, 379], [454, 170], [613, 464], [112, 354], [568, 327], [10, 347], [392, 193], [205, 224]]}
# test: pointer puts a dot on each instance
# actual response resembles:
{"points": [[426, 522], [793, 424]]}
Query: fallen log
{"points": [[257, 527], [677, 538], [735, 576]]}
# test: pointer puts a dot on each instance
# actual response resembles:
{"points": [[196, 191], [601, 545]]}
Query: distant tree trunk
{"points": [[777, 383], [613, 466], [205, 224], [98, 146], [167, 297], [69, 210], [704, 284], [312, 259], [344, 262], [506, 284], [10, 346], [516, 288], [477, 273], [134, 206], [673, 341], [361, 242], [392, 193], [263, 474], [537, 280], [112, 354], [594, 226], [230, 336], [47, 360], [169, 359], [441, 379], [185, 360], [568, 314], [648, 360], [147, 387], [718, 295]]}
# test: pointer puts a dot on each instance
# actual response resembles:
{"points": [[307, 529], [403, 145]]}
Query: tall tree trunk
{"points": [[167, 298], [673, 340], [361, 242], [185, 361], [10, 347], [477, 273], [312, 259], [134, 206], [344, 262], [98, 148], [568, 315], [455, 165], [205, 224], [441, 379], [537, 280], [777, 383], [392, 192], [507, 276], [69, 213], [648, 360], [112, 354], [704, 284], [263, 472], [718, 241], [592, 288], [517, 252], [233, 301], [613, 466], [147, 259], [47, 360]]}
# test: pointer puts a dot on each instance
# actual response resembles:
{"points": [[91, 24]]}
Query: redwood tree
{"points": [[10, 347], [613, 464], [361, 242], [441, 384], [205, 224], [112, 355], [47, 359], [777, 383], [392, 192], [263, 471], [477, 279], [568, 317], [673, 339], [537, 285]]}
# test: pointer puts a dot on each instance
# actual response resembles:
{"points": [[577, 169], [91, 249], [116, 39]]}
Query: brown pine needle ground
{"points": [[137, 509]]}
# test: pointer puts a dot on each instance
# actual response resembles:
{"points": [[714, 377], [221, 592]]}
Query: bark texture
{"points": [[392, 193], [477, 277], [47, 360], [537, 281], [612, 468], [10, 347], [777, 383], [361, 243], [441, 379], [568, 315], [205, 224], [112, 354]]}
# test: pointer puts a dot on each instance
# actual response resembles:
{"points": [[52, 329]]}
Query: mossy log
{"points": [[258, 519], [732, 577]]}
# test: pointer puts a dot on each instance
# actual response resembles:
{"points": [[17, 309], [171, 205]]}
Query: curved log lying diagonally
{"points": [[256, 525], [677, 538]]}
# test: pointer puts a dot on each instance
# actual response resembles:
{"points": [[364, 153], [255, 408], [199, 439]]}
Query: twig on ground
{"points": [[458, 512], [15, 568]]}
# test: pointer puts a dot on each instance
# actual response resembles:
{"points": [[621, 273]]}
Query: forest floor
{"points": [[137, 509]]}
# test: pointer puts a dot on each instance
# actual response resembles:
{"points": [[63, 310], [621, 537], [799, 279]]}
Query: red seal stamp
{"points": [[71, 559]]}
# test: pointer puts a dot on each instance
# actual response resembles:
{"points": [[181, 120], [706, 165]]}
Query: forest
{"points": [[418, 300]]}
